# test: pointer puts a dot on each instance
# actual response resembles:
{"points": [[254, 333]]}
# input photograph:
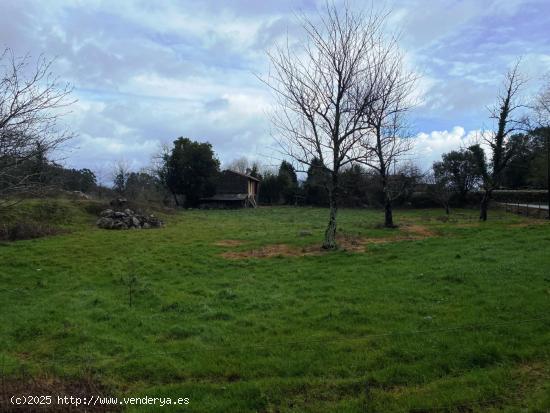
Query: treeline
{"points": [[528, 165], [35, 174], [187, 172], [455, 180], [464, 171], [359, 187]]}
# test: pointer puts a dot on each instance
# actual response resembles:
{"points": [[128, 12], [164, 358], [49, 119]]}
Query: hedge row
{"points": [[425, 200], [524, 196]]}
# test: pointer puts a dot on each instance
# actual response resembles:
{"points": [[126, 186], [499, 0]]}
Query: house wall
{"points": [[232, 183]]}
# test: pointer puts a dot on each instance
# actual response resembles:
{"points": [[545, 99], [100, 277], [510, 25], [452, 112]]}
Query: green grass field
{"points": [[440, 316]]}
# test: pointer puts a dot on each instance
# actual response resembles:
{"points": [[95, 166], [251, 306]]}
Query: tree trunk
{"points": [[548, 170], [388, 214], [330, 233], [462, 197], [484, 206], [447, 211], [175, 199]]}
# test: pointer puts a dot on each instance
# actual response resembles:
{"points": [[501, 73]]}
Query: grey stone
{"points": [[119, 225], [106, 213], [105, 223], [111, 219]]}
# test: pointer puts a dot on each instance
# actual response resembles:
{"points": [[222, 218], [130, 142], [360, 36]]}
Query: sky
{"points": [[146, 72]]}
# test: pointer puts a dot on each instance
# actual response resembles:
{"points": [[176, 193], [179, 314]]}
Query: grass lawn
{"points": [[238, 312]]}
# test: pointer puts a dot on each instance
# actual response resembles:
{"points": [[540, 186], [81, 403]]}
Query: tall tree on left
{"points": [[189, 171], [32, 102]]}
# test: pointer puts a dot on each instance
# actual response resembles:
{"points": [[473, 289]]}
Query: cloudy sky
{"points": [[146, 72]]}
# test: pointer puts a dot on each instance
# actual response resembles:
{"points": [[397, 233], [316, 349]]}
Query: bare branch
{"points": [[32, 101]]}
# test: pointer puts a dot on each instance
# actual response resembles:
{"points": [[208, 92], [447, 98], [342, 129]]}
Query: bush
{"points": [[422, 200], [523, 196], [27, 230]]}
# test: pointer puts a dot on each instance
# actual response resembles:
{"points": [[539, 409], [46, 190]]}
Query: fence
{"points": [[534, 210]]}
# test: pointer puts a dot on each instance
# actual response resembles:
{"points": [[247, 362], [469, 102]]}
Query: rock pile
{"points": [[127, 219]]}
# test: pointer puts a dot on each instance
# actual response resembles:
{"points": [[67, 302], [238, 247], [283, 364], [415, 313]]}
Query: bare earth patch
{"points": [[274, 250], [346, 242], [419, 231]]}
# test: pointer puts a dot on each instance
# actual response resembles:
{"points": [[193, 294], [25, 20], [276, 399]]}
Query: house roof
{"points": [[245, 175]]}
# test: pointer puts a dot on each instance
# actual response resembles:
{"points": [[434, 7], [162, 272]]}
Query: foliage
{"points": [[190, 170], [458, 171], [270, 189], [142, 186], [83, 180], [288, 183], [315, 186], [520, 196], [528, 164], [354, 182]]}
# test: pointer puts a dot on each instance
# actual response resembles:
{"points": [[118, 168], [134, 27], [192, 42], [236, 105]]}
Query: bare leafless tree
{"points": [[241, 165], [119, 175], [32, 101], [508, 118], [439, 188], [389, 140], [324, 91], [542, 119]]}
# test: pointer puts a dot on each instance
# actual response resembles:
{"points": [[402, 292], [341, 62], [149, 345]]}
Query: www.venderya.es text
{"points": [[96, 401]]}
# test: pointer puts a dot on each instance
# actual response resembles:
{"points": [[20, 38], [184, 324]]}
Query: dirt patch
{"points": [[53, 387], [346, 242], [419, 231], [274, 250], [356, 243], [228, 243], [537, 369]]}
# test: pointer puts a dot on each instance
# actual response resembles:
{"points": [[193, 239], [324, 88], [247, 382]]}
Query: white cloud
{"points": [[148, 72], [430, 146]]}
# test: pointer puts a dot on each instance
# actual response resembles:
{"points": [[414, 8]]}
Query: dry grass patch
{"points": [[346, 242], [418, 231], [274, 250]]}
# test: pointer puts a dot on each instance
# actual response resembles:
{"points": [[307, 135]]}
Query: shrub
{"points": [[26, 230], [422, 200], [522, 196]]}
